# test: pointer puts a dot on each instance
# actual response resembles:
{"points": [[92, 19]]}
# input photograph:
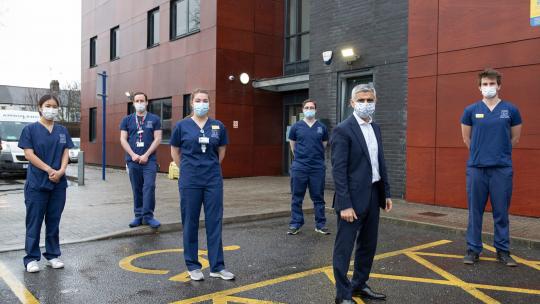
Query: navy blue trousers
{"points": [[191, 201], [300, 181], [363, 232], [495, 182], [143, 185], [41, 205]]}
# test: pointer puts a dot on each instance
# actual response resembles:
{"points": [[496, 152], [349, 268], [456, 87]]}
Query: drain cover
{"points": [[432, 214]]}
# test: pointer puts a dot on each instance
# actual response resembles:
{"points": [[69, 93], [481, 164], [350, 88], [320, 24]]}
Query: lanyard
{"points": [[140, 125]]}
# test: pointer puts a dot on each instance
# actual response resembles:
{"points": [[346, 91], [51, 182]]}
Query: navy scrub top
{"points": [[309, 149], [198, 169], [49, 147], [491, 138], [148, 124]]}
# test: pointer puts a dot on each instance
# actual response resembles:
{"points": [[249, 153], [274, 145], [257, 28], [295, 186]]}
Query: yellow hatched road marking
{"points": [[452, 278], [453, 256], [18, 288], [518, 259]]}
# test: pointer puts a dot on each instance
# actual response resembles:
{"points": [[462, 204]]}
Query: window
{"points": [[92, 130], [130, 108], [348, 81], [153, 28], [93, 42], [186, 110], [185, 17], [163, 109], [297, 37], [115, 42]]}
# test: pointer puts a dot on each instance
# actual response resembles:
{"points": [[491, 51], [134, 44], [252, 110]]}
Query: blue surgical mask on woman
{"points": [[364, 110], [309, 113], [201, 108]]}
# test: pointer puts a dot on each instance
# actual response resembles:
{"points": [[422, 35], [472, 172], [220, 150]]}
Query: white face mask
{"points": [[139, 107], [363, 109], [489, 91], [49, 113]]}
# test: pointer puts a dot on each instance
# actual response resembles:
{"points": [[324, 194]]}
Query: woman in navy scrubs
{"points": [[46, 146], [198, 145]]}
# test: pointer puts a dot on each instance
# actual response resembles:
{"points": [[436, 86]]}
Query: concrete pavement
{"points": [[102, 209]]}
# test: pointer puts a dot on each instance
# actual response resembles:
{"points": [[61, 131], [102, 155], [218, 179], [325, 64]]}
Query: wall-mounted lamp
{"points": [[244, 78], [349, 55], [129, 95]]}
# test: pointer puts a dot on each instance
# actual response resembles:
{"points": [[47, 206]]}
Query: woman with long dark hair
{"points": [[45, 144]]}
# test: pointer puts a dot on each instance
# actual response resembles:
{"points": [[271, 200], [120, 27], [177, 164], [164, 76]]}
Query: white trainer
{"points": [[223, 274], [32, 267], [196, 275], [55, 263]]}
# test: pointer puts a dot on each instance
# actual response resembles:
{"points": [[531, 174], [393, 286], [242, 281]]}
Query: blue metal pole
{"points": [[104, 125]]}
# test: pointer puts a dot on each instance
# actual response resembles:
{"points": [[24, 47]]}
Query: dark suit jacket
{"points": [[351, 168]]}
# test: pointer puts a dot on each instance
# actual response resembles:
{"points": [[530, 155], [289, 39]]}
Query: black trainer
{"points": [[471, 257], [293, 231], [322, 230], [505, 258]]}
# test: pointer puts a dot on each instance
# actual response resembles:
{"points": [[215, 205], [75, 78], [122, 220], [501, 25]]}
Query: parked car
{"points": [[74, 153], [12, 160]]}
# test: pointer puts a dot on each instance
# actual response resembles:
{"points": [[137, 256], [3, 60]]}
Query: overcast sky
{"points": [[40, 40]]}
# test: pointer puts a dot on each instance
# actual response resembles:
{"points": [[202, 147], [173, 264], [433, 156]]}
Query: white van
{"points": [[12, 122]]}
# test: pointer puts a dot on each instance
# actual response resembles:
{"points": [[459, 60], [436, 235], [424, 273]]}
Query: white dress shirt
{"points": [[373, 147]]}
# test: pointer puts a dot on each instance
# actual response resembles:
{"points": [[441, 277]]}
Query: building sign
{"points": [[535, 12]]}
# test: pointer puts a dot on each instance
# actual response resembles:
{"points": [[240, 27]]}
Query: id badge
{"points": [[140, 144], [204, 140]]}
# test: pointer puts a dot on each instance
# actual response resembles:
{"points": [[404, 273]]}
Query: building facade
{"points": [[409, 50]]}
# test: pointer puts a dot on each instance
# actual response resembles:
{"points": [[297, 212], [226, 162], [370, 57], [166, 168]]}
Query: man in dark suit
{"points": [[361, 188]]}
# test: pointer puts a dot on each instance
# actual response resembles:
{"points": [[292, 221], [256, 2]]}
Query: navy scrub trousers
{"points": [[201, 185], [308, 170], [489, 170]]}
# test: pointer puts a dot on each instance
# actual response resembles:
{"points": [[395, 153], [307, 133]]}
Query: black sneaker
{"points": [[471, 257], [322, 230], [293, 231], [505, 258]]}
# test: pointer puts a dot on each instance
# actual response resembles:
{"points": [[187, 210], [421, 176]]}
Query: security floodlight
{"points": [[349, 55], [244, 78]]}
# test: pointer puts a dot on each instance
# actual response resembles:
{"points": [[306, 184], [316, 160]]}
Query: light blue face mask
{"points": [[201, 108], [309, 113]]}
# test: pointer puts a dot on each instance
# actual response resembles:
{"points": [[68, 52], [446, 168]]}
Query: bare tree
{"points": [[32, 97], [70, 96]]}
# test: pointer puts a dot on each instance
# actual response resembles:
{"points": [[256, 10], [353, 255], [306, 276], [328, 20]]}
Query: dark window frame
{"points": [[344, 91], [93, 53], [92, 125], [173, 35], [114, 43], [186, 106], [298, 65], [150, 39], [163, 121]]}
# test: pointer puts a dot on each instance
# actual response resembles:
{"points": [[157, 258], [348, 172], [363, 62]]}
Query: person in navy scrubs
{"points": [[140, 136], [490, 128], [308, 139], [198, 146], [46, 145], [362, 187]]}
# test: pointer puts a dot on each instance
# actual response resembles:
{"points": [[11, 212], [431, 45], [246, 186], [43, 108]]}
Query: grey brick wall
{"points": [[377, 30]]}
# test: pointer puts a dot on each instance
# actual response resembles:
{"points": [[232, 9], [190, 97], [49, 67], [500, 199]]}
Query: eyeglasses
{"points": [[368, 100]]}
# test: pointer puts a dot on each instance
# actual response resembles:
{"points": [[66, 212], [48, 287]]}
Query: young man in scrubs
{"points": [[46, 145], [198, 146], [140, 136], [490, 128], [308, 139]]}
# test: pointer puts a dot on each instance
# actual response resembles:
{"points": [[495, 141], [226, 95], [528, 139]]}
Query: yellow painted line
{"points": [[505, 288], [232, 291], [453, 256], [18, 288], [411, 249], [126, 263], [518, 259], [411, 279], [450, 277], [232, 299]]}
